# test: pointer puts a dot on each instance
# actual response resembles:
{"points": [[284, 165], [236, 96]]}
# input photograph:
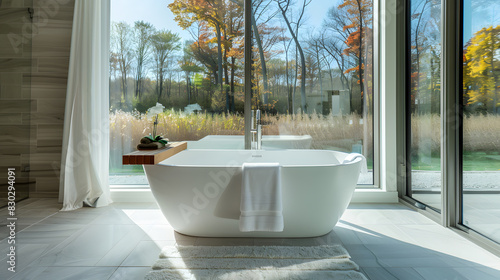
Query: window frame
{"points": [[377, 129], [451, 121]]}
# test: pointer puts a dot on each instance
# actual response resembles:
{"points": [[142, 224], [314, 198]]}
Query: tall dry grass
{"points": [[127, 129], [341, 132], [328, 132], [480, 133]]}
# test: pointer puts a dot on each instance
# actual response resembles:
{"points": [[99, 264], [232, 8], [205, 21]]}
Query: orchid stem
{"points": [[154, 127]]}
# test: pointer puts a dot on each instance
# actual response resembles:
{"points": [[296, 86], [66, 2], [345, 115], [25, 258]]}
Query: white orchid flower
{"points": [[156, 109]]}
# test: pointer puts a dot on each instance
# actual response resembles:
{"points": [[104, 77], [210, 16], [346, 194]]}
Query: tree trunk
{"points": [[219, 56], [124, 86], [302, 61], [188, 89], [233, 62], [295, 78], [160, 89], [262, 59], [330, 71], [261, 53], [138, 81], [319, 75]]}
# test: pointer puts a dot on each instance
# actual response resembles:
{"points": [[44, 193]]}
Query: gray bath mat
{"points": [[255, 262]]}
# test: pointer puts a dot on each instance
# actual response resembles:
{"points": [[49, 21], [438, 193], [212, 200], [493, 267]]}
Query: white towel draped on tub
{"points": [[261, 207]]}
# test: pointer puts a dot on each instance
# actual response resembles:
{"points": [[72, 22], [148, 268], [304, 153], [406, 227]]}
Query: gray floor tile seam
{"points": [[27, 266], [26, 202], [130, 253], [61, 245], [377, 260], [33, 204], [115, 246], [27, 227], [114, 271]]}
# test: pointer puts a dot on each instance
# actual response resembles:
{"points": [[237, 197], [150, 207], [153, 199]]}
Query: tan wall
{"points": [[34, 102]]}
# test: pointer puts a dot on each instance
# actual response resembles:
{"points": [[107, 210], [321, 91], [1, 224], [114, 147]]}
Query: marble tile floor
{"points": [[481, 210], [122, 241]]}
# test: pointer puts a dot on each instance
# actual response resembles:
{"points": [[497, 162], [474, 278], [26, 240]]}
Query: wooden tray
{"points": [[153, 156]]}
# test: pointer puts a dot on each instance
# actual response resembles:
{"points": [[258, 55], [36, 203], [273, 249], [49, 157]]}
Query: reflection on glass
{"points": [[424, 101], [481, 121], [313, 74], [186, 55]]}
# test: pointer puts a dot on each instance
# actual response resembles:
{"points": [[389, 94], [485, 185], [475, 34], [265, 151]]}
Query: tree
{"points": [[121, 41], [283, 6], [333, 41], [204, 52], [188, 12], [256, 33], [360, 12], [164, 44], [188, 66], [482, 71], [143, 33], [315, 50]]}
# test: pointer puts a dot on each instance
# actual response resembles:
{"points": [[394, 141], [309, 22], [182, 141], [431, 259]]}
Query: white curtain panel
{"points": [[85, 155]]}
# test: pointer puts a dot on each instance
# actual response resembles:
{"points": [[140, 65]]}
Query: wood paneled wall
{"points": [[32, 102]]}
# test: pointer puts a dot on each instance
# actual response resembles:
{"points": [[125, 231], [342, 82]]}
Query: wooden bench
{"points": [[151, 157]]}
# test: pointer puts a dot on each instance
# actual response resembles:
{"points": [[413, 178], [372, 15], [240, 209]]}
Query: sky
{"points": [[482, 16], [159, 15], [155, 12]]}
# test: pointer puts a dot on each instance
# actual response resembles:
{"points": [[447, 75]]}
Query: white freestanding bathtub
{"points": [[199, 191]]}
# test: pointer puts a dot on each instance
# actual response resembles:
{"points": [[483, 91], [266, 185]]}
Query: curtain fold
{"points": [[85, 156]]}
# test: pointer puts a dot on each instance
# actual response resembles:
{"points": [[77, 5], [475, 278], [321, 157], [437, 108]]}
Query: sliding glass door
{"points": [[481, 117], [423, 102], [453, 112]]}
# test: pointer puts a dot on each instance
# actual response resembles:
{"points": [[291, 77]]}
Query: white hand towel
{"points": [[352, 157], [261, 207]]}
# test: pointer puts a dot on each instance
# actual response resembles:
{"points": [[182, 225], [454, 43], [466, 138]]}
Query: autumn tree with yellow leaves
{"points": [[481, 71]]}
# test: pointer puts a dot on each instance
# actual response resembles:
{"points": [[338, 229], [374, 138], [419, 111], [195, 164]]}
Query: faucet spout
{"points": [[256, 130]]}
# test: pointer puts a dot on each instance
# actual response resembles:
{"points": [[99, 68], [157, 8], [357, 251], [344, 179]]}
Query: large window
{"points": [[312, 75], [423, 101], [481, 117]]}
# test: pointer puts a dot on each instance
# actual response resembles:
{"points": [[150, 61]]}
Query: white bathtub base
{"points": [[204, 199]]}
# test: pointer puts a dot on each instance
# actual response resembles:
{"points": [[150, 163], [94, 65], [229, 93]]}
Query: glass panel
{"points": [[186, 55], [481, 120], [313, 75], [424, 101]]}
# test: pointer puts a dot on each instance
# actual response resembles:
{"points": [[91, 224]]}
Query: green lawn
{"points": [[130, 169], [472, 161]]}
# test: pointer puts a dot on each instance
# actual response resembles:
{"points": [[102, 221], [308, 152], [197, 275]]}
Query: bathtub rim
{"points": [[257, 151]]}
